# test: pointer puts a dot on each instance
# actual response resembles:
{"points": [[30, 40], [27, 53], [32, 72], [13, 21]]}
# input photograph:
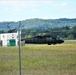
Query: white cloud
{"points": [[17, 5], [22, 3], [64, 4], [70, 10], [60, 4], [34, 10]]}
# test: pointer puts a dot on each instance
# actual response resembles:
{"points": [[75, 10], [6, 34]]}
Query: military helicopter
{"points": [[40, 39], [44, 39]]}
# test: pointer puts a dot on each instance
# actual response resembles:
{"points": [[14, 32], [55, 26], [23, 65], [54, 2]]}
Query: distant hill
{"points": [[39, 23]]}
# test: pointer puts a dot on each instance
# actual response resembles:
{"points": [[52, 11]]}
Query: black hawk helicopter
{"points": [[44, 39], [40, 39]]}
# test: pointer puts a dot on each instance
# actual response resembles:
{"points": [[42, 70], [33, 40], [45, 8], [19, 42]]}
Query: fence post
{"points": [[19, 50]]}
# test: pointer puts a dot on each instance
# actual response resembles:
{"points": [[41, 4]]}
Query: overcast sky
{"points": [[16, 10]]}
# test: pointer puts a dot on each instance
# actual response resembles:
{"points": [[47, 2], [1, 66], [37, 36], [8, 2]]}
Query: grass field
{"points": [[41, 59]]}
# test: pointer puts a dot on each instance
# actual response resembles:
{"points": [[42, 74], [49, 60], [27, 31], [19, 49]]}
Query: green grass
{"points": [[41, 59]]}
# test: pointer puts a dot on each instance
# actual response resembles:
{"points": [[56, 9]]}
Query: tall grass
{"points": [[38, 59]]}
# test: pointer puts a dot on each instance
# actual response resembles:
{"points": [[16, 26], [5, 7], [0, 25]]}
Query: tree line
{"points": [[64, 32]]}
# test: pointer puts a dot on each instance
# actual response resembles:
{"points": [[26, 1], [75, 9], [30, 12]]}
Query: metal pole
{"points": [[19, 49]]}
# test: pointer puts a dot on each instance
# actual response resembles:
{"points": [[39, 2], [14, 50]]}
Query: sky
{"points": [[16, 10]]}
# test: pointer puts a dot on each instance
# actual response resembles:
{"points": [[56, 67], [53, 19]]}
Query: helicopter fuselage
{"points": [[44, 40]]}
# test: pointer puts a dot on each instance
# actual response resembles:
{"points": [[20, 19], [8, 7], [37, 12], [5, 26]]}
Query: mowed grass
{"points": [[36, 59]]}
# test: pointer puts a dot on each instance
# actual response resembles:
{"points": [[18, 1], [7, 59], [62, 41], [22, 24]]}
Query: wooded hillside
{"points": [[40, 23]]}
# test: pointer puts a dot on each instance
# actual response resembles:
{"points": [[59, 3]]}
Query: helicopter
{"points": [[40, 39], [44, 39]]}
